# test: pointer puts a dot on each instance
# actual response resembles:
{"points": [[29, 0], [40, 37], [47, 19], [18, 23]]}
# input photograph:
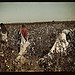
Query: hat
{"points": [[1, 23], [68, 32]]}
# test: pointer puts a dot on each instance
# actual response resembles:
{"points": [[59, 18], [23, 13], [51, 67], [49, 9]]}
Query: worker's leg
{"points": [[18, 49], [19, 45]]}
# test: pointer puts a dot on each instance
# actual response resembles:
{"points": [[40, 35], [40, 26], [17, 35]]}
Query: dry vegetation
{"points": [[41, 37]]}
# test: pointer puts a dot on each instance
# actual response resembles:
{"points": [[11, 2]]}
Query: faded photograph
{"points": [[37, 36]]}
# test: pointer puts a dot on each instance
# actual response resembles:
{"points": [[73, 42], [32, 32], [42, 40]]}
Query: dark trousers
{"points": [[18, 48], [19, 45]]}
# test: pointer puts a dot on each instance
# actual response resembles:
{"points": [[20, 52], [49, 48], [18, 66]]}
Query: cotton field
{"points": [[42, 36]]}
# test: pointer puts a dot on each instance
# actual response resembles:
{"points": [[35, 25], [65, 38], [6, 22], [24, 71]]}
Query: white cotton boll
{"points": [[49, 63], [8, 66], [40, 38], [5, 61], [2, 55], [12, 51]]}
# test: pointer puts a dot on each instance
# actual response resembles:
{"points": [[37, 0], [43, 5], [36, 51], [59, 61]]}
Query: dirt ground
{"points": [[41, 37]]}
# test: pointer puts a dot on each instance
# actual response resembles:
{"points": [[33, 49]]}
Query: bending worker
{"points": [[60, 46]]}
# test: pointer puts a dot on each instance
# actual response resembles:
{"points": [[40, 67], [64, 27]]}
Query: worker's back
{"points": [[24, 32], [68, 33]]}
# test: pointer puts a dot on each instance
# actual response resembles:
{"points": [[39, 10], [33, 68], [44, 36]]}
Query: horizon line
{"points": [[36, 22]]}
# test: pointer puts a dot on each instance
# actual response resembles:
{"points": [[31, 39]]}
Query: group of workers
{"points": [[22, 38]]}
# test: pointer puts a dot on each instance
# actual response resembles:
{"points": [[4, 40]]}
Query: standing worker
{"points": [[23, 40], [3, 32], [3, 37], [22, 34]]}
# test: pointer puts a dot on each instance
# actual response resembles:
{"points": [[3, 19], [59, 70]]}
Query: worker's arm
{"points": [[26, 35], [6, 29]]}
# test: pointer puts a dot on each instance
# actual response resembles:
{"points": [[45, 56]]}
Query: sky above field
{"points": [[17, 12]]}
